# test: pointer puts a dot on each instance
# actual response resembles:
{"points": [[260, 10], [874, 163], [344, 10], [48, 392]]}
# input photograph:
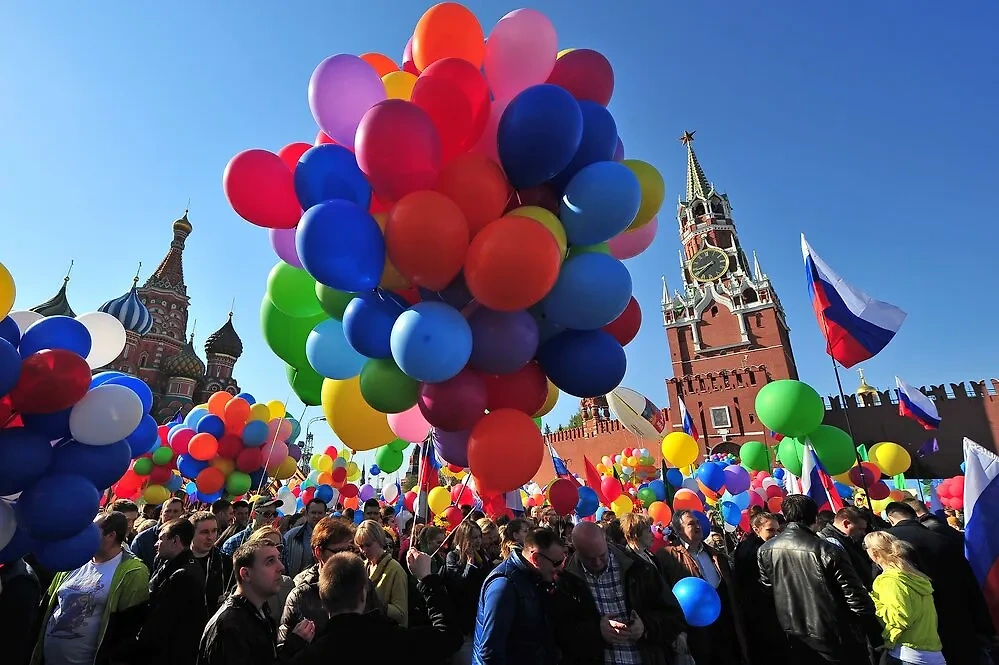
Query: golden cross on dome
{"points": [[687, 138]]}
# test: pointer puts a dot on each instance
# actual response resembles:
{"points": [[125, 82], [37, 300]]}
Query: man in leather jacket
{"points": [[821, 603], [847, 531]]}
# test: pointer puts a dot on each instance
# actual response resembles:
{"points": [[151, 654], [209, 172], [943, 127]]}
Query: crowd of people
{"points": [[240, 584]]}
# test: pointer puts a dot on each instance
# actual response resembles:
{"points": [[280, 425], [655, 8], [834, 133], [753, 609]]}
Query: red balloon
{"points": [[454, 468], [586, 74], [322, 137], [180, 441], [426, 237], [525, 390], [409, 499], [453, 516], [51, 380], [610, 487], [160, 474], [410, 294], [261, 189], [457, 404], [541, 196], [505, 450], [291, 153], [774, 490], [774, 503], [308, 495], [865, 475], [563, 495], [230, 446], [349, 490], [339, 475], [878, 491], [493, 505], [455, 95], [461, 495], [163, 431], [398, 149], [249, 459], [625, 327]]}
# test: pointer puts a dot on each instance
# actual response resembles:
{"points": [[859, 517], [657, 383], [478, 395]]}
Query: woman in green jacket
{"points": [[903, 599]]}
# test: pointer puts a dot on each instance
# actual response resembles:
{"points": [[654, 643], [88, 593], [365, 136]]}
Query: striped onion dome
{"points": [[130, 311], [185, 364]]}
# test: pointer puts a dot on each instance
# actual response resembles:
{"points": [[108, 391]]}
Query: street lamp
{"points": [[307, 448]]}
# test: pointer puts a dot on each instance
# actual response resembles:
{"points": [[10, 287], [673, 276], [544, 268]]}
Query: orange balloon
{"points": [[426, 236], [217, 402], [352, 503], [325, 478], [236, 413], [512, 264], [687, 499], [203, 446], [774, 503], [505, 450], [382, 63], [477, 184], [210, 480], [660, 512], [448, 30]]}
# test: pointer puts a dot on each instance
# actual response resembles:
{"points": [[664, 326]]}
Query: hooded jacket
{"points": [[904, 604]]}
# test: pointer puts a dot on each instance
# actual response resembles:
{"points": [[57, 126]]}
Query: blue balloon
{"points": [[137, 386], [658, 487], [731, 513], [600, 202], [455, 294], [101, 378], [195, 416], [546, 329], [145, 436], [10, 331], [674, 477], [255, 433], [20, 544], [56, 332], [431, 342], [190, 467], [778, 474], [330, 354], [742, 500], [712, 476], [175, 483], [588, 502], [591, 291], [328, 172], [101, 465], [248, 397], [538, 135], [702, 519], [368, 320], [358, 516], [190, 489], [52, 425], [10, 366], [210, 498], [69, 553], [583, 363], [78, 503], [211, 424], [599, 514], [341, 245], [324, 493], [963, 470], [845, 491], [597, 144], [25, 455], [699, 600], [374, 470]]}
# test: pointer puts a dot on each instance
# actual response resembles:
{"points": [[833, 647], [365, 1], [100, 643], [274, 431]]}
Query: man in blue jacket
{"points": [[512, 626]]}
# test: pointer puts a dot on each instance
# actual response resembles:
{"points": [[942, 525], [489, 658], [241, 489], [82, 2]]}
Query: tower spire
{"points": [[169, 275], [697, 184], [69, 271], [757, 272]]}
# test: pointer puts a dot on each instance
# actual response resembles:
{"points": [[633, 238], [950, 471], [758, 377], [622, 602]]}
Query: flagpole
{"points": [[849, 429]]}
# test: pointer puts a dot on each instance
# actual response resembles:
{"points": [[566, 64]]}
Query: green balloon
{"points": [[834, 448], [307, 384], [790, 407], [332, 301], [386, 388], [388, 460], [646, 496], [398, 445], [537, 421], [286, 335], [790, 454], [754, 456], [162, 455], [599, 248], [143, 466], [293, 291], [238, 483]]}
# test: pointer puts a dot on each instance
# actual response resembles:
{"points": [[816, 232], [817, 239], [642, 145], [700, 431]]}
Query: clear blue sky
{"points": [[870, 126]]}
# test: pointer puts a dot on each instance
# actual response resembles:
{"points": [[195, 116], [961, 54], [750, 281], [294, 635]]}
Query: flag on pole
{"points": [[855, 325], [816, 483], [688, 423], [912, 403], [561, 470], [981, 520], [931, 446], [177, 419], [593, 479], [776, 436]]}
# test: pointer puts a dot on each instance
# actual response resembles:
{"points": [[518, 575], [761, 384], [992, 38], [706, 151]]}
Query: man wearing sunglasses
{"points": [[264, 514], [330, 536]]}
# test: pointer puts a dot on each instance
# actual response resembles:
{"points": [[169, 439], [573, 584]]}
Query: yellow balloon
{"points": [[879, 505], [438, 500], [622, 505], [276, 407], [285, 469], [226, 466], [844, 478], [653, 191], [155, 494], [353, 473], [7, 292], [324, 464], [679, 449], [399, 85], [391, 277], [890, 457], [563, 52], [550, 401], [351, 419], [261, 412], [548, 220]]}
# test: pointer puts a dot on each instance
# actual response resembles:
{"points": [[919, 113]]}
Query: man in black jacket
{"points": [[219, 580], [847, 531], [933, 522], [20, 595], [821, 604]]}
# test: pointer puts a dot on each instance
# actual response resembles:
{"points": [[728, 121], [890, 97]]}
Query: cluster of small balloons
{"points": [[634, 464], [723, 458], [951, 493], [451, 247]]}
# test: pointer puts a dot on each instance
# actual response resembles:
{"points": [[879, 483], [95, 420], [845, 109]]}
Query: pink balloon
{"points": [[630, 244], [261, 189], [398, 149], [520, 52], [342, 89], [755, 499], [410, 425], [274, 453], [586, 74], [486, 144], [408, 65], [456, 404], [283, 243], [281, 427]]}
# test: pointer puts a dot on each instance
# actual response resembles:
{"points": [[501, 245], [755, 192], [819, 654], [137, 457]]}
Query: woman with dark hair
{"points": [[467, 569]]}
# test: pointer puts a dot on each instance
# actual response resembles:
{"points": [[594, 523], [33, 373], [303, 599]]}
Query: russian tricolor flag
{"points": [[856, 326], [688, 423], [816, 483], [912, 403], [981, 520]]}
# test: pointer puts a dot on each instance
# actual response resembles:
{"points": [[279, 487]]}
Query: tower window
{"points": [[720, 418], [698, 209], [717, 207], [714, 311], [143, 359]]}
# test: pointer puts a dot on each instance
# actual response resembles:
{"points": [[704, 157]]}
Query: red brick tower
{"points": [[725, 328]]}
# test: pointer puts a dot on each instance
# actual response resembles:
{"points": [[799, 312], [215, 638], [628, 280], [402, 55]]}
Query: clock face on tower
{"points": [[708, 264]]}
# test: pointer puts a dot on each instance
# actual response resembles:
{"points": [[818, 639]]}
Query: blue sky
{"points": [[869, 126]]}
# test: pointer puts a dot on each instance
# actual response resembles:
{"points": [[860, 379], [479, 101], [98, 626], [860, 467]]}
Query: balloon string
{"points": [[419, 488], [260, 484]]}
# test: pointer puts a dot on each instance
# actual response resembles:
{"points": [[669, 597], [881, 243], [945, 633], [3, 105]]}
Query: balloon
{"points": [[653, 192], [519, 53], [342, 89], [7, 291], [438, 500], [137, 386], [583, 363], [599, 202], [592, 290], [619, 150], [341, 245], [477, 186], [426, 237], [292, 290], [629, 244], [622, 505], [505, 450], [351, 418], [551, 399], [330, 172], [597, 144], [399, 85], [865, 475], [447, 30], [455, 294], [891, 458], [25, 456], [388, 460], [699, 600], [486, 145], [69, 553], [329, 352], [410, 425], [203, 447], [283, 244], [789, 407], [674, 476], [254, 433], [524, 389], [538, 135], [101, 465], [10, 331], [502, 342], [106, 414], [386, 388], [398, 149], [8, 527], [789, 453], [368, 321], [53, 426], [548, 220], [107, 336], [56, 332], [563, 496], [455, 96], [834, 448], [679, 449], [383, 64], [736, 479], [210, 480], [291, 153], [755, 456], [235, 413], [332, 301], [687, 499], [260, 188], [588, 502], [452, 447], [511, 264], [10, 367], [456, 404], [712, 475], [625, 327], [586, 74], [610, 487], [78, 504], [431, 342]]}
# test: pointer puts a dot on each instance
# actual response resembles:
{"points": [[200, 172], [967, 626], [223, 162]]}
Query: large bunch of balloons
{"points": [[451, 247], [632, 464], [951, 493]]}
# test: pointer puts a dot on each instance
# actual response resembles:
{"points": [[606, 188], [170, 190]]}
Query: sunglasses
{"points": [[267, 515], [558, 563], [344, 548]]}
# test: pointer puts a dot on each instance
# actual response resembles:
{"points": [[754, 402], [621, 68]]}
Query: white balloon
{"points": [[107, 335], [391, 493], [106, 414], [285, 495], [25, 318], [767, 482], [8, 523]]}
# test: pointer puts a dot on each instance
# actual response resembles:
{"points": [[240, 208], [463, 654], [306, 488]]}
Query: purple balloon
{"points": [[294, 452], [342, 89], [451, 446], [619, 151], [283, 242], [502, 342], [736, 479], [366, 492]]}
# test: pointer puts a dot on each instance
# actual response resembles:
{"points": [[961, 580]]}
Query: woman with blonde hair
{"points": [[272, 536], [387, 574], [490, 540], [512, 536], [903, 599]]}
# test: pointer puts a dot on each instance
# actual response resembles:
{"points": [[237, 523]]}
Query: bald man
{"points": [[612, 607]]}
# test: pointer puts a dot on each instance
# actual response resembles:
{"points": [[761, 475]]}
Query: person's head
{"points": [[206, 532], [468, 538], [265, 511], [430, 539], [590, 544], [114, 527], [917, 506], [899, 512], [388, 517], [240, 513], [800, 509], [171, 509], [372, 511], [765, 526], [126, 508], [268, 534], [258, 569], [637, 531], [613, 532], [348, 515], [687, 527], [512, 536], [851, 521], [315, 510], [490, 533], [370, 539], [343, 584], [331, 536], [824, 518], [222, 509], [174, 537], [889, 552], [545, 552]]}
